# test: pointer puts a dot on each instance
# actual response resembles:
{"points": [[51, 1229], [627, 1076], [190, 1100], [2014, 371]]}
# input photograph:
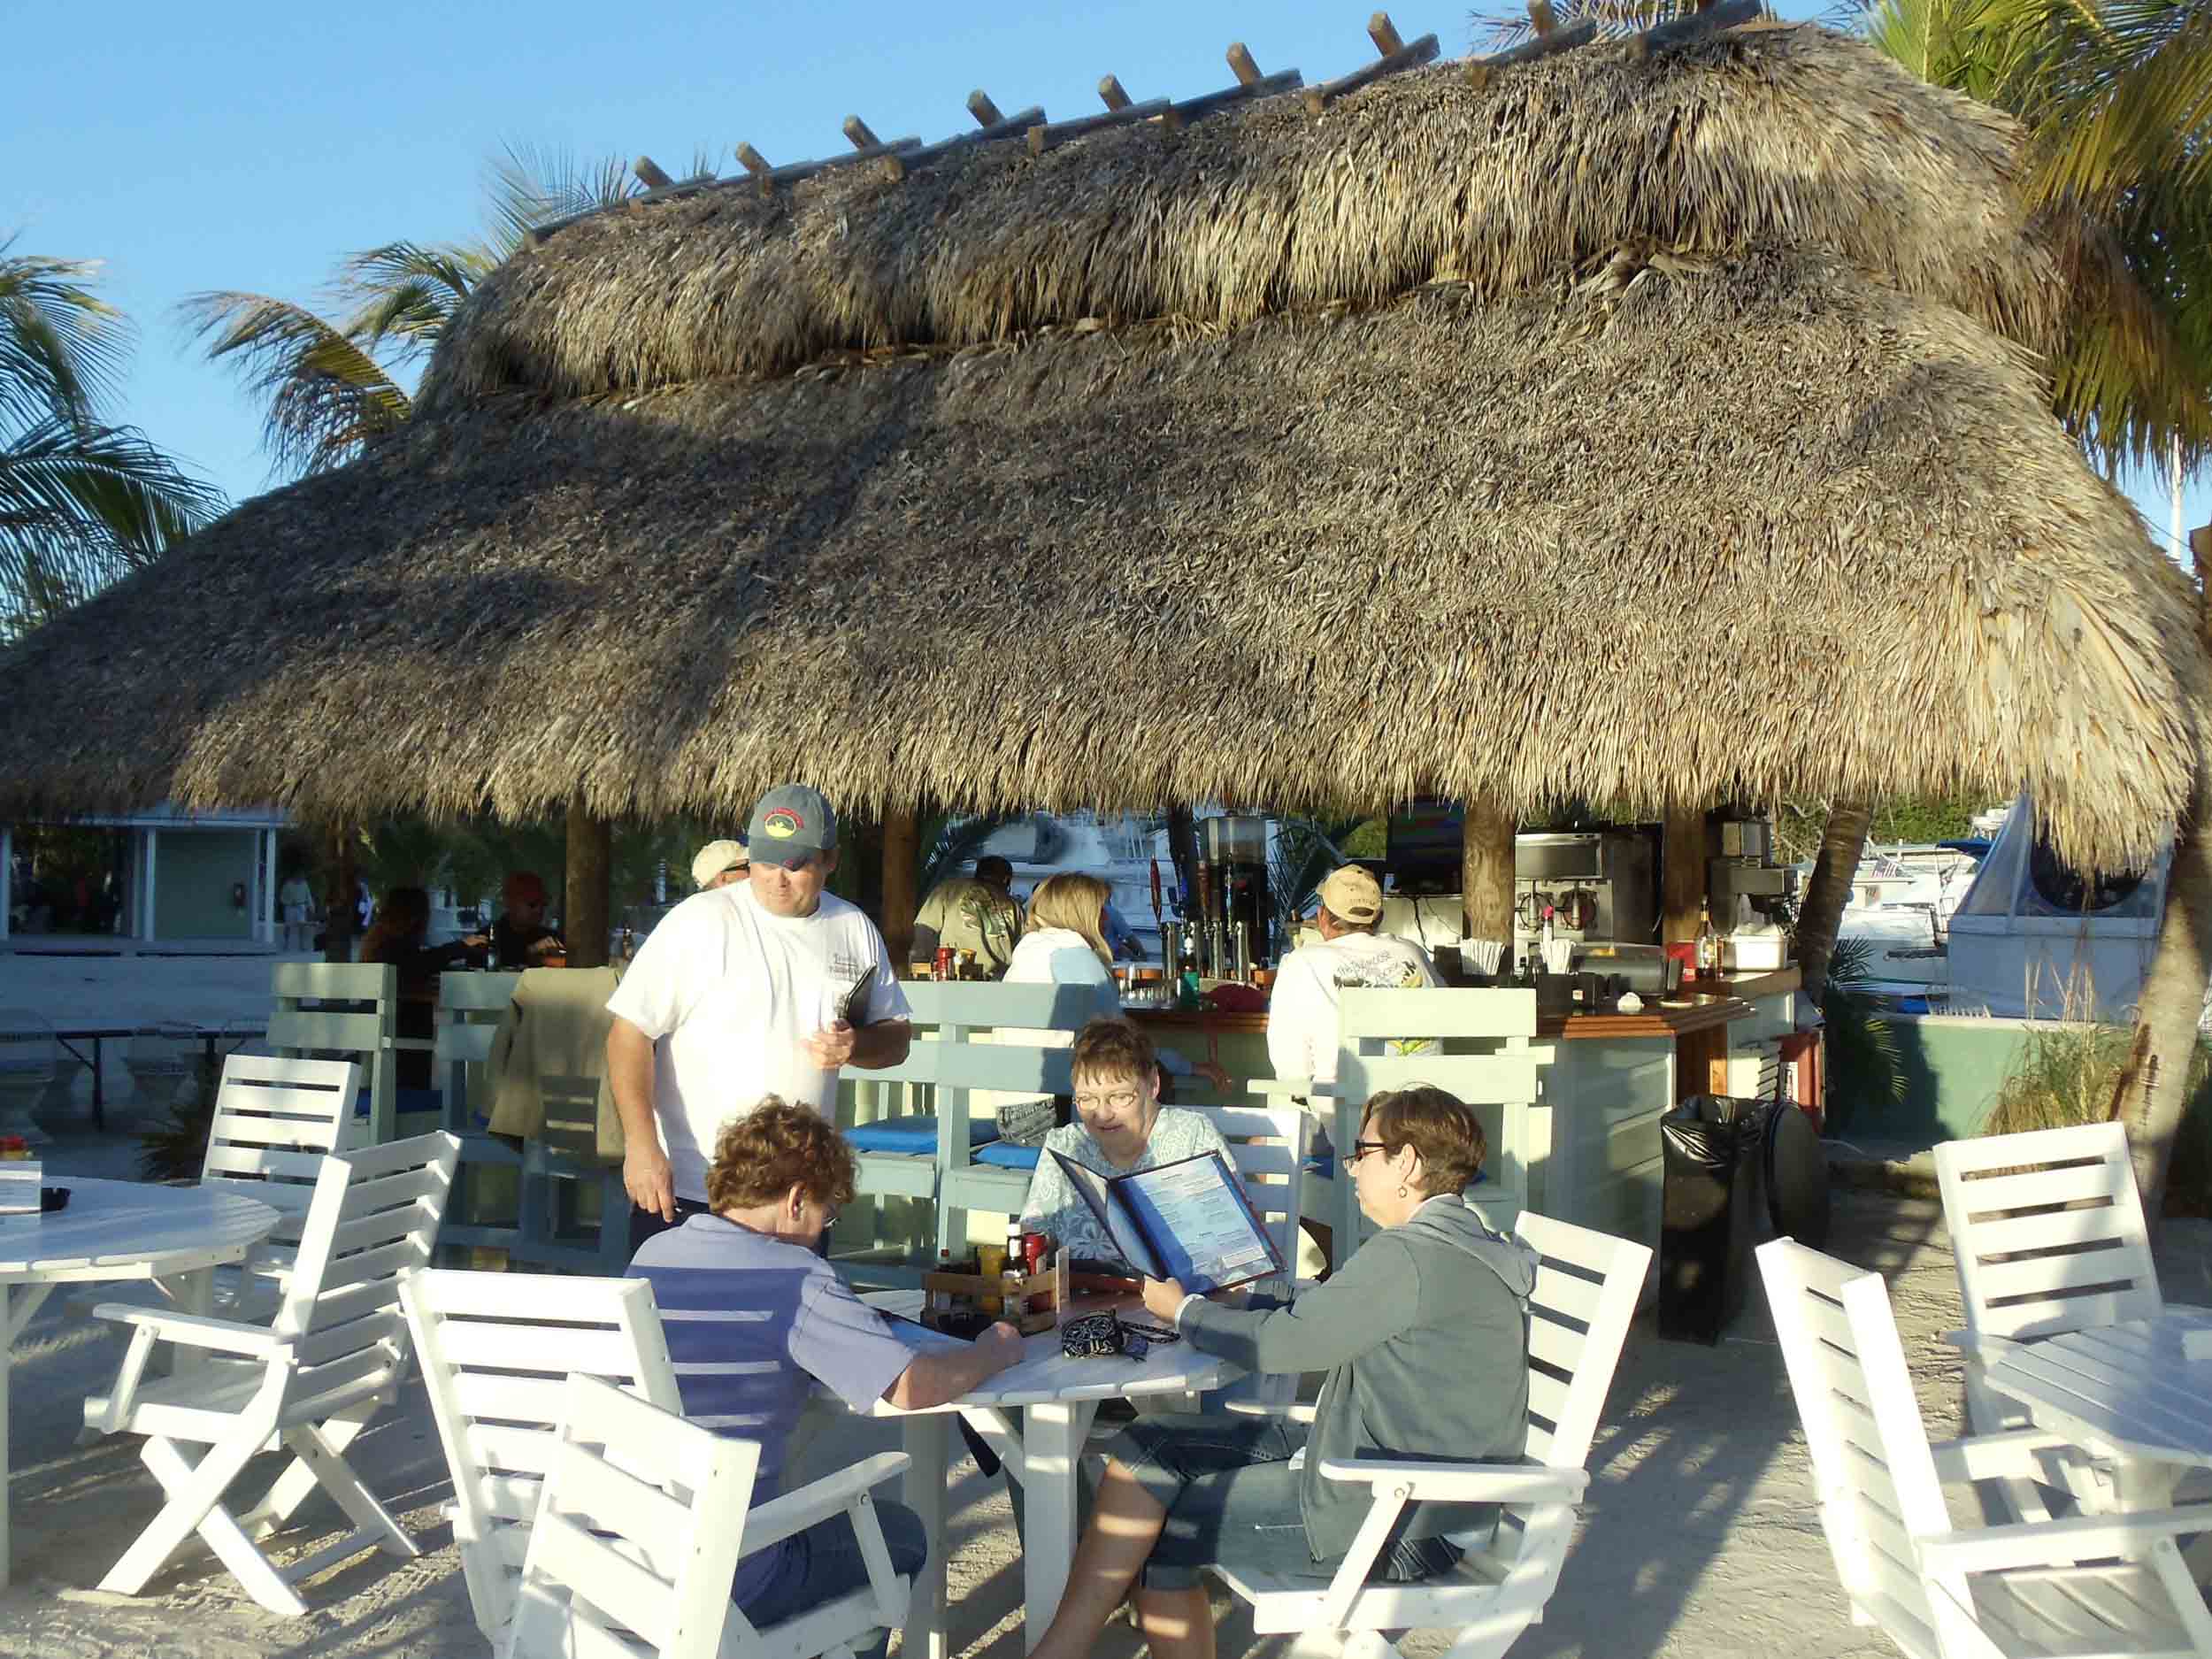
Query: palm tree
{"points": [[81, 500], [329, 388]]}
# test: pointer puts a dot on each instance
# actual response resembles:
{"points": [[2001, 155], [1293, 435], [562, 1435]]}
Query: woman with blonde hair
{"points": [[1065, 943]]}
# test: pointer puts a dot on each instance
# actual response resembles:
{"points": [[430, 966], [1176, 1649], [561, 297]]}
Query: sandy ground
{"points": [[1698, 1535]]}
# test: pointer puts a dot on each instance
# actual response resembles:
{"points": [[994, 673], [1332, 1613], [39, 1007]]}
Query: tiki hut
{"points": [[1632, 427]]}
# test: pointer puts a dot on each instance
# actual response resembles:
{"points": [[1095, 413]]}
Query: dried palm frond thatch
{"points": [[1786, 136], [1690, 528]]}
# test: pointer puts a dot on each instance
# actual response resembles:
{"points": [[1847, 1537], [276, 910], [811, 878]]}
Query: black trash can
{"points": [[1713, 1149]]}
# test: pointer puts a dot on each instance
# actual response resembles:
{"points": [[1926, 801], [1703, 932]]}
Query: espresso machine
{"points": [[1596, 884], [1745, 869]]}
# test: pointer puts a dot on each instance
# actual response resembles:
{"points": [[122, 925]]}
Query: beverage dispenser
{"points": [[1231, 928]]}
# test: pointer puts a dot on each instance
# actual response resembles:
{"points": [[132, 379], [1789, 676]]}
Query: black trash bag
{"points": [[1714, 1149]]}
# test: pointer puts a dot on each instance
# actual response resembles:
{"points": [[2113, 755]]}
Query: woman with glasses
{"points": [[1119, 1126], [1421, 1334]]}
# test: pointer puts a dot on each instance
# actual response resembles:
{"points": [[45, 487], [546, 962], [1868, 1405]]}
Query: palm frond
{"points": [[327, 396], [405, 293], [1496, 31], [62, 348], [80, 505], [529, 185]]}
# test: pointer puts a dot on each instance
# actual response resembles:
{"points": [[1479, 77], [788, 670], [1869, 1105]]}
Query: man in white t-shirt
{"points": [[1302, 1011], [768, 986]]}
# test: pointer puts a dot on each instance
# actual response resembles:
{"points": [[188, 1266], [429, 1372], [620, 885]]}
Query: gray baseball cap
{"points": [[791, 825]]}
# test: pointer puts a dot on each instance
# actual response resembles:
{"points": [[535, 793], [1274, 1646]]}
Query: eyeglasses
{"points": [[1120, 1101], [1361, 1149]]}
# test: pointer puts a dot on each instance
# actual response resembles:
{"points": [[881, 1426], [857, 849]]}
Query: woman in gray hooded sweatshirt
{"points": [[1423, 1335]]}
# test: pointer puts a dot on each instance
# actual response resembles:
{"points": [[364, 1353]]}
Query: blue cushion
{"points": [[1006, 1156], [404, 1100], [916, 1137]]}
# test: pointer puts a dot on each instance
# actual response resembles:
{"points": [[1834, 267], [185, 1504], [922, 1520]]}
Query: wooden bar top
{"points": [[1197, 1020], [1654, 1020]]}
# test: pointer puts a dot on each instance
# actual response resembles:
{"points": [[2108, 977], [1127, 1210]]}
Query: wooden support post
{"points": [[1241, 66], [1681, 872], [586, 906], [985, 111], [1384, 34], [754, 162], [339, 921], [1485, 872], [1542, 16], [649, 175], [902, 856], [858, 134], [1109, 93]]}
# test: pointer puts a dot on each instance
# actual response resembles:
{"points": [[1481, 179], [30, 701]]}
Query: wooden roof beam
{"points": [[898, 165], [1394, 58], [1483, 70], [649, 175], [1727, 14], [1043, 138]]}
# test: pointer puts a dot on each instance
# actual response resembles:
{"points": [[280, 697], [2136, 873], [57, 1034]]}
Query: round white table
{"points": [[1060, 1397], [116, 1230]]}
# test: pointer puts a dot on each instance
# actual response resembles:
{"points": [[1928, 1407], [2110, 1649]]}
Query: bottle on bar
{"points": [[1708, 943]]}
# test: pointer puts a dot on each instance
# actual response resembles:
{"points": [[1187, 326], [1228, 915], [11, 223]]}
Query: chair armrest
{"points": [[195, 1330], [2013, 1456], [2055, 1543], [779, 1517], [1465, 1483]]}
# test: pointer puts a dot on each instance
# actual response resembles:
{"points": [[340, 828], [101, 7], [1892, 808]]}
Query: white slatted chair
{"points": [[349, 1009], [273, 1120], [2104, 1584], [496, 1351], [642, 1521], [2046, 1230], [1499, 1084], [1585, 1294], [312, 1381], [470, 1007], [936, 1159], [1269, 1148]]}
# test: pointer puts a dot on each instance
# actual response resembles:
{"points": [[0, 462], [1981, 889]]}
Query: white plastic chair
{"points": [[312, 1381], [1585, 1294], [496, 1351], [274, 1119], [642, 1521], [1268, 1147], [2101, 1584]]}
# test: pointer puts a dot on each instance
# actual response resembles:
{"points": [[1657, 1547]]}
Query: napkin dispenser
{"points": [[1650, 972]]}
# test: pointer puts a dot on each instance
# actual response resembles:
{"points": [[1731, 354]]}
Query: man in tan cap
{"points": [[1301, 1012], [718, 863]]}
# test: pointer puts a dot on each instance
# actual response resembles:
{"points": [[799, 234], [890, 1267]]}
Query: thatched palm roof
{"points": [[1784, 511]]}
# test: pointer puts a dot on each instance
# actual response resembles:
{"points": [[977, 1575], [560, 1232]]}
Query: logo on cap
{"points": [[783, 823]]}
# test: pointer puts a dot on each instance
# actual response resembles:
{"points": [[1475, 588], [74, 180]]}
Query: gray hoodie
{"points": [[1423, 1338]]}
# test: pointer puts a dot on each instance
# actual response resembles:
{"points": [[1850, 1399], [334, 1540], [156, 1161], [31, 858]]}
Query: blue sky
{"points": [[250, 145]]}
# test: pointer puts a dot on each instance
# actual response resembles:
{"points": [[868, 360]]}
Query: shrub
{"points": [[2066, 1075]]}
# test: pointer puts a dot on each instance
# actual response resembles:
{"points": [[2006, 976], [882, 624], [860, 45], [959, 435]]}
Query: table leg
{"points": [[99, 1097], [1052, 1448], [925, 1434], [17, 1304], [190, 1292]]}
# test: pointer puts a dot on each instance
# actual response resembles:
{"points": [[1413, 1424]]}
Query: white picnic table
{"points": [[116, 1230], [2132, 1395], [1058, 1398]]}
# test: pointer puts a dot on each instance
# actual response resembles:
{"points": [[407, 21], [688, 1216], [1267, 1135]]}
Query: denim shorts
{"points": [[825, 1563], [1231, 1501]]}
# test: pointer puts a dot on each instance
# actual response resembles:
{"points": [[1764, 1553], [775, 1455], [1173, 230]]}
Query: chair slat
{"points": [[2041, 1275], [595, 1571]]}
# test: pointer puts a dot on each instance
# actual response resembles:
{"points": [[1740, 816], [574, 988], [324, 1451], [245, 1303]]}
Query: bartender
{"points": [[521, 939]]}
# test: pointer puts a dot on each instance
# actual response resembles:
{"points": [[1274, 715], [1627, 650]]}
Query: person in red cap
{"points": [[521, 939]]}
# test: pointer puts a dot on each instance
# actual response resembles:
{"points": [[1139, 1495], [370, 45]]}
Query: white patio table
{"points": [[116, 1230], [2132, 1395], [1059, 1397]]}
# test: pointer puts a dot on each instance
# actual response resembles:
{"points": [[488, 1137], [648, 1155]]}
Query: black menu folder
{"points": [[1188, 1221]]}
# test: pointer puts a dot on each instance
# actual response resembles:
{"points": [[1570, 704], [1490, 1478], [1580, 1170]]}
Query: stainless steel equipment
{"points": [[1229, 923], [1599, 883], [1745, 870]]}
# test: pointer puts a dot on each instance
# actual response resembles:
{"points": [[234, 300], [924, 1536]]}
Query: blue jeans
{"points": [[830, 1565]]}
